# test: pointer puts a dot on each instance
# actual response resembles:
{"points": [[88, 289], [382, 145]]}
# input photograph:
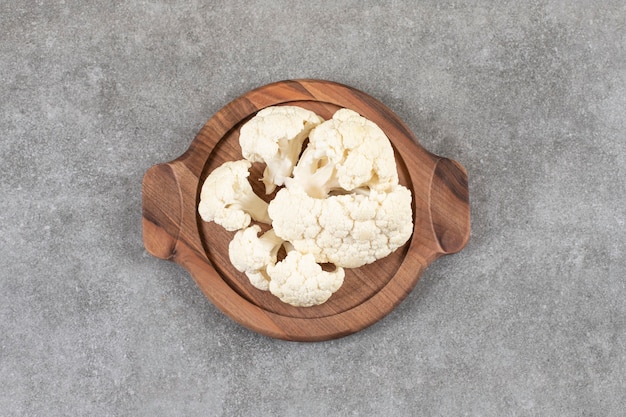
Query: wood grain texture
{"points": [[173, 230]]}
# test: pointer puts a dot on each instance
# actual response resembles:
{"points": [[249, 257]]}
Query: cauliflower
{"points": [[348, 230], [227, 197], [275, 136], [341, 202], [251, 254], [345, 153], [299, 281]]}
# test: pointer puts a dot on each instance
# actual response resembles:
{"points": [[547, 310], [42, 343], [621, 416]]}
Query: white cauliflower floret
{"points": [[228, 199], [299, 281], [343, 204], [345, 153], [347, 230], [274, 136], [251, 254]]}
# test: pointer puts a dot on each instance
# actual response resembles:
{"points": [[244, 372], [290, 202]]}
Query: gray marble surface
{"points": [[529, 320]]}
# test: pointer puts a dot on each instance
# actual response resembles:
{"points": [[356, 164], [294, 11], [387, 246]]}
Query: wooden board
{"points": [[173, 230]]}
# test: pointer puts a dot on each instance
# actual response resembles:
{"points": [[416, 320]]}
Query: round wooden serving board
{"points": [[172, 228]]}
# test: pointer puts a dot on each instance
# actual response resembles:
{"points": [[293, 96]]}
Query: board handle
{"points": [[161, 211], [449, 205]]}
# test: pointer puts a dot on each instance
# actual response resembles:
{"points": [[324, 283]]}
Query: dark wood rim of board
{"points": [[170, 194]]}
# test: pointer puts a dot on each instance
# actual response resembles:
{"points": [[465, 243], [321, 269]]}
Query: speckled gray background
{"points": [[529, 320]]}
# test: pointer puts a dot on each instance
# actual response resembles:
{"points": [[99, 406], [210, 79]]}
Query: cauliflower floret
{"points": [[227, 197], [298, 280], [345, 153], [275, 136], [251, 254], [348, 230], [343, 204]]}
